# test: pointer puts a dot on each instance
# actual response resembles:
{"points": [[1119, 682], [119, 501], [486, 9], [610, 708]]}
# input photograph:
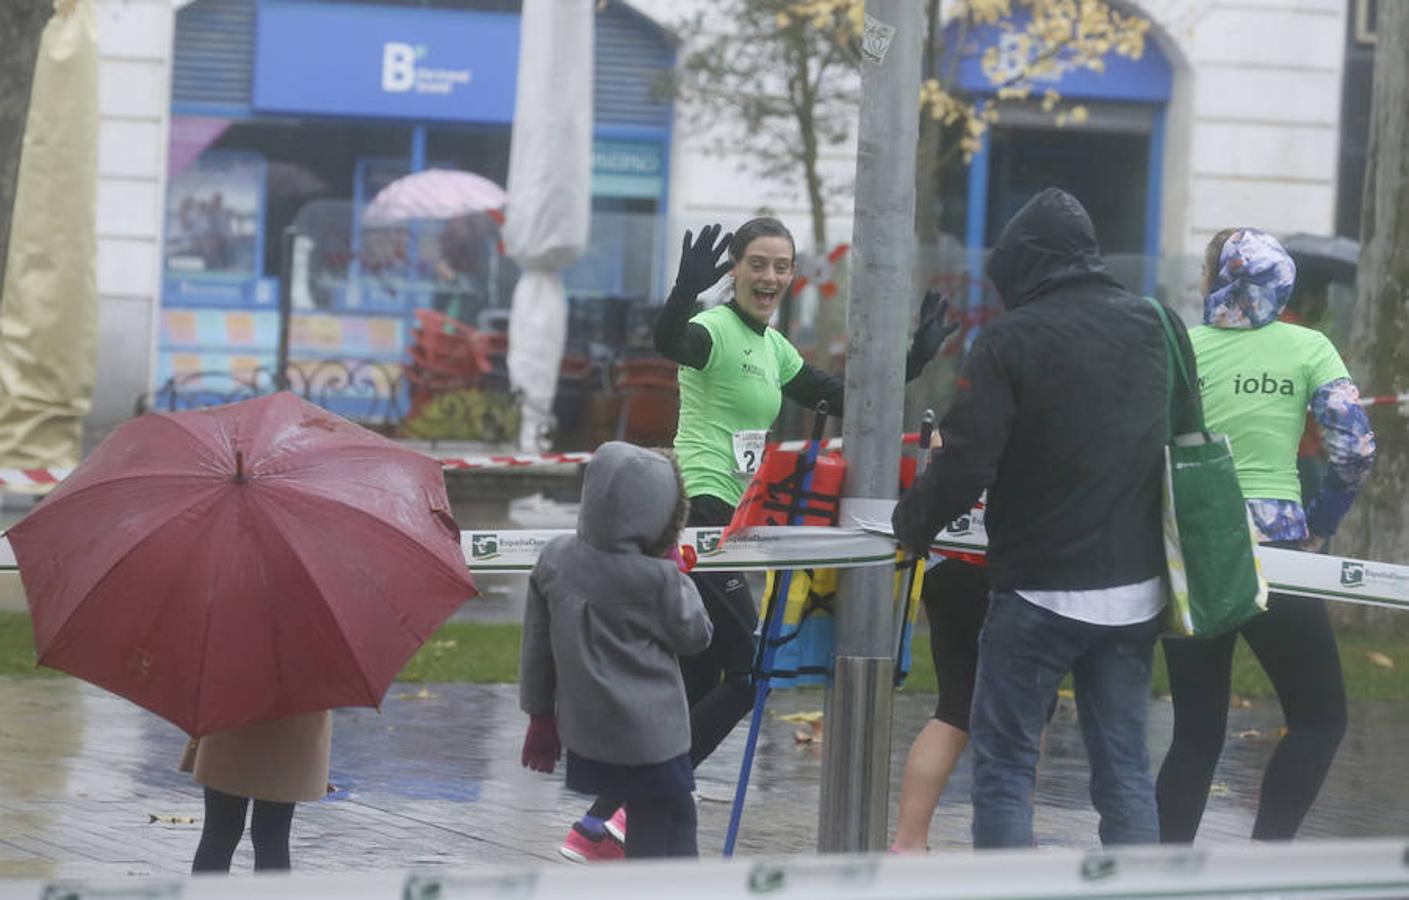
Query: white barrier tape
{"points": [[29, 478], [514, 461], [798, 547], [1308, 870], [753, 550], [1385, 400]]}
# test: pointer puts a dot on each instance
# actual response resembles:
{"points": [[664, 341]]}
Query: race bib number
{"points": [[748, 452]]}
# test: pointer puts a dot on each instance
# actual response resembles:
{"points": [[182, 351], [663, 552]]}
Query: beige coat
{"points": [[284, 760]]}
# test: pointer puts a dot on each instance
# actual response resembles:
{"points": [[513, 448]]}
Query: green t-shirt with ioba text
{"points": [[1256, 385]]}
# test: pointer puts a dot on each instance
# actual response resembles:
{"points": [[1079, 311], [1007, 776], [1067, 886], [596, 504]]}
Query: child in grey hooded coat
{"points": [[607, 618]]}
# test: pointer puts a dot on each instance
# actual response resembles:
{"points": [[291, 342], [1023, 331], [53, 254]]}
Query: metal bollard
{"points": [[855, 783]]}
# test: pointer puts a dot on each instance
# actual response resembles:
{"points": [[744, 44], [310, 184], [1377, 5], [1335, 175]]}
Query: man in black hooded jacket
{"points": [[1060, 413]]}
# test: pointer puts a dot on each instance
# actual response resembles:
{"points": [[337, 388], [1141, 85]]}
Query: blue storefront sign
{"points": [[1148, 79], [370, 61]]}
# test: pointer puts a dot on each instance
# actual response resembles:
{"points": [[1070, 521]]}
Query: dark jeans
{"points": [[225, 825], [1024, 652], [1294, 643], [719, 681], [661, 825]]}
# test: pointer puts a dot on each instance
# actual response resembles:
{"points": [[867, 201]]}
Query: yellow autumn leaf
{"points": [[803, 718], [1379, 659]]}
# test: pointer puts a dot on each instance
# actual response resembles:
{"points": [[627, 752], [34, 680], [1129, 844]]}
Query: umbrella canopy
{"points": [[246, 562], [433, 194], [1336, 258]]}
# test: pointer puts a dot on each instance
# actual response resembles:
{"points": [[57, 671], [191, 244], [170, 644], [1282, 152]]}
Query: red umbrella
{"points": [[246, 562]]}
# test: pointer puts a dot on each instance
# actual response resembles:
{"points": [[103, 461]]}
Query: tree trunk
{"points": [[1378, 525], [21, 25]]}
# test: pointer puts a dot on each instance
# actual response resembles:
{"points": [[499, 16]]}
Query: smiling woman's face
{"points": [[762, 276]]}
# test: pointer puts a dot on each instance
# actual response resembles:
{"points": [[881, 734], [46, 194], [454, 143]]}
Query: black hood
{"points": [[1048, 243]]}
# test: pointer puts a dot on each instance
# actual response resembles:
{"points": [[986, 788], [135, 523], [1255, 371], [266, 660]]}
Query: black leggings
{"points": [[1294, 643], [225, 825], [719, 681], [661, 826]]}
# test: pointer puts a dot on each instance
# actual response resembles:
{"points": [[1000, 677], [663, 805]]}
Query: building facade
{"points": [[224, 119]]}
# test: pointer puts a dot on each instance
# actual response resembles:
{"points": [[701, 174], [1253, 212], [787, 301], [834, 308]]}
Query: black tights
{"points": [[1294, 643], [225, 825]]}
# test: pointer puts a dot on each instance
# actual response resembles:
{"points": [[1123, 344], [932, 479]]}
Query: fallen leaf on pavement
{"points": [[422, 694], [1250, 734], [1380, 659], [1066, 693], [171, 820], [1219, 790], [803, 718], [1239, 702]]}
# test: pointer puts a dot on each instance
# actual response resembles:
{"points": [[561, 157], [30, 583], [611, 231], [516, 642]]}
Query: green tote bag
{"points": [[1215, 582]]}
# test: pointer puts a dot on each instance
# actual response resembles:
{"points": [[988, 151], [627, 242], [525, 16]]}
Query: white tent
{"points": [[550, 197]]}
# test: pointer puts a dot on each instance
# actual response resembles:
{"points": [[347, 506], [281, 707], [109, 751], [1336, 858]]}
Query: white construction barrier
{"points": [[797, 547], [1305, 870]]}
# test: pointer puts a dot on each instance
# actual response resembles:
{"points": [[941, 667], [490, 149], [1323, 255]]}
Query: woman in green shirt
{"points": [[735, 371], [1257, 377]]}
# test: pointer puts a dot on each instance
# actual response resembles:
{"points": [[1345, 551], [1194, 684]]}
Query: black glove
{"points": [[931, 334], [700, 268]]}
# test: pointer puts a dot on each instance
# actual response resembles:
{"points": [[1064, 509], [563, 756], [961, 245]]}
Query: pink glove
{"points": [[541, 748]]}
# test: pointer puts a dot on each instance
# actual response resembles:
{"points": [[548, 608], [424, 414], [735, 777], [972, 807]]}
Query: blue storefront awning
{"points": [[1148, 79]]}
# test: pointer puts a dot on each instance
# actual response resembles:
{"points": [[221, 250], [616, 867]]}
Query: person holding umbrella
{"points": [[276, 764], [735, 372], [239, 571]]}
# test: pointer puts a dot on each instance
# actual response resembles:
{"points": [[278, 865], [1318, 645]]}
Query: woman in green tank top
{"points": [[1257, 378]]}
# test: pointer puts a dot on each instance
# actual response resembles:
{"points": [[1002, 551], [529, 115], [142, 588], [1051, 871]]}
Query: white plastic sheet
{"points": [[550, 196]]}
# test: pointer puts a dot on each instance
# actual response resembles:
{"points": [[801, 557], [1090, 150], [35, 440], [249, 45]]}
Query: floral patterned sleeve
{"points": [[1350, 451]]}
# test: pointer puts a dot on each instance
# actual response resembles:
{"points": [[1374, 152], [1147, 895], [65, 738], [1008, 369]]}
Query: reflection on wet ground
{"points": [[88, 784]]}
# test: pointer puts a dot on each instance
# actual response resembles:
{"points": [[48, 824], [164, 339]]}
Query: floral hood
{"points": [[1253, 282]]}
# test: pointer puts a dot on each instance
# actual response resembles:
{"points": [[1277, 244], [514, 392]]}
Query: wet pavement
{"points": [[88, 784]]}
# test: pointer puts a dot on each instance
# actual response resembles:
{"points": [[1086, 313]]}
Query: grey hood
{"points": [[629, 497]]}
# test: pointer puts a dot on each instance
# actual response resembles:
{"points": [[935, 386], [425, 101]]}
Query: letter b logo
{"points": [[398, 67]]}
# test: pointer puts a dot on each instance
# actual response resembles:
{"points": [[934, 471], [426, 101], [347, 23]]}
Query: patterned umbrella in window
{"points": [[435, 194]]}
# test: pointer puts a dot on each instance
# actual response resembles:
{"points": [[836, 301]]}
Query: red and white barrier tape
{"points": [[1386, 400], [32, 478], [514, 461], [29, 479]]}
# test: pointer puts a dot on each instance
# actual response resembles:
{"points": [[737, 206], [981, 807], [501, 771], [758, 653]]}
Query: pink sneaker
{"points": [[616, 825], [581, 848]]}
